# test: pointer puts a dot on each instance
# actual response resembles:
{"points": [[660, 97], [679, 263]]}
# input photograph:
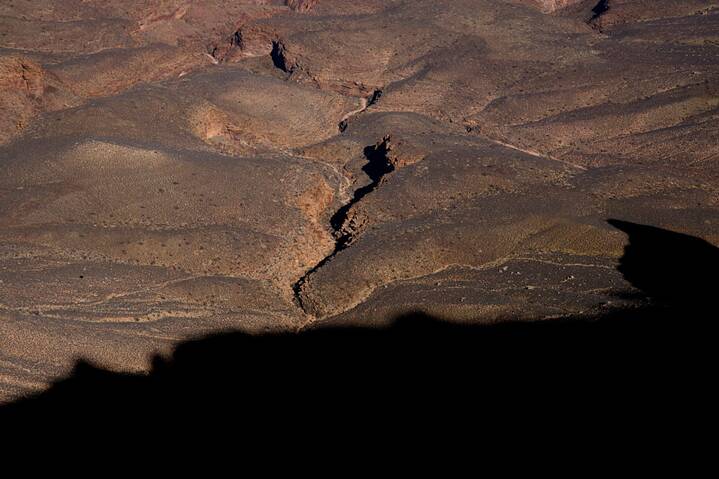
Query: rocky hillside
{"points": [[176, 167]]}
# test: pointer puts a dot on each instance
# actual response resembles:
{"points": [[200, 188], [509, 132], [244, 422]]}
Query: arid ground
{"points": [[172, 168]]}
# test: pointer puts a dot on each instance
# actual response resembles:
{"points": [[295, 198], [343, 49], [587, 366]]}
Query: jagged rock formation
{"points": [[174, 167], [26, 88]]}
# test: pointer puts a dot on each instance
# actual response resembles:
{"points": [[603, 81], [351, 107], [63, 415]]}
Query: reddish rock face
{"points": [[26, 89], [174, 167]]}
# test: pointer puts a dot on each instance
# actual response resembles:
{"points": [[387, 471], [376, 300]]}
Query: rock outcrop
{"points": [[26, 89]]}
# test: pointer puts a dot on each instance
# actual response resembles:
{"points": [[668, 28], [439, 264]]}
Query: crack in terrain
{"points": [[365, 103], [378, 166], [599, 9]]}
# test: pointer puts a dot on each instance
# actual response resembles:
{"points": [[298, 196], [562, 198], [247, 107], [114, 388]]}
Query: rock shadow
{"points": [[356, 376]]}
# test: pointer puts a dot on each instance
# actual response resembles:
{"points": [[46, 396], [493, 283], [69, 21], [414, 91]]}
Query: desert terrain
{"points": [[173, 168]]}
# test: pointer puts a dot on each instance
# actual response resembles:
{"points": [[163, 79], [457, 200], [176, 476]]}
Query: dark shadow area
{"points": [[600, 9], [374, 98], [378, 163], [278, 57], [672, 268], [356, 377], [377, 166]]}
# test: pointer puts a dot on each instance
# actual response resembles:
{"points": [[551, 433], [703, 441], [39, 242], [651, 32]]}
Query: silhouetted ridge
{"points": [[364, 376], [669, 266]]}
